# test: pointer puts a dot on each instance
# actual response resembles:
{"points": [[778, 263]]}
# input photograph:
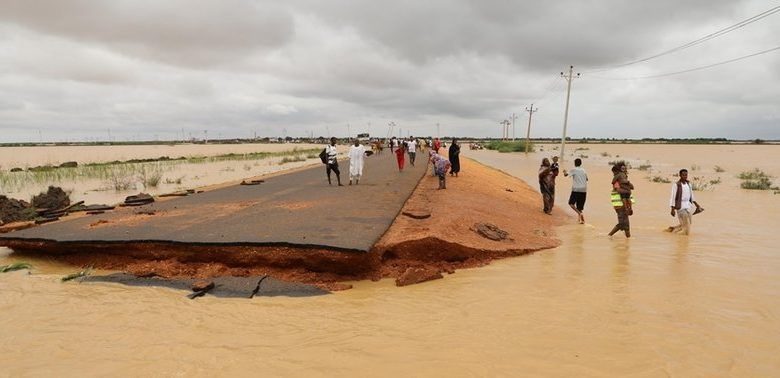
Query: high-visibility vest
{"points": [[617, 201]]}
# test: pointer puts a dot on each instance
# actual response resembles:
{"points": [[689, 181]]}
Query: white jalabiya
{"points": [[356, 157]]}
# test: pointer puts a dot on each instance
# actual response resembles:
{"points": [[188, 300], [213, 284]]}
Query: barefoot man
{"points": [[682, 202], [579, 188]]}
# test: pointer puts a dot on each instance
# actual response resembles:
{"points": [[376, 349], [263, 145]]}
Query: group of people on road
{"points": [[682, 202], [401, 148]]}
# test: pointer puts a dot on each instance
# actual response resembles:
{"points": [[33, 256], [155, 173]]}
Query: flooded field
{"points": [[655, 305], [203, 165]]}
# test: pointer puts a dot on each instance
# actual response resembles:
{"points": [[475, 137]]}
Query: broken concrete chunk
{"points": [[416, 275], [202, 285], [139, 199], [53, 198], [490, 231]]}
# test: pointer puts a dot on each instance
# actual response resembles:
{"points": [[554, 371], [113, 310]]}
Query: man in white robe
{"points": [[357, 155]]}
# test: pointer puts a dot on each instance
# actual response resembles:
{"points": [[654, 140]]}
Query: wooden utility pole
{"points": [[569, 79], [531, 112], [514, 117]]}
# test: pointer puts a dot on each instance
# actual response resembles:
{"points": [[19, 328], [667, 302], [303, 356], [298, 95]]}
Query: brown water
{"points": [[655, 305]]}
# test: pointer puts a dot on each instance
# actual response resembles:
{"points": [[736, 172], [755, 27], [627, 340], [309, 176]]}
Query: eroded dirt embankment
{"points": [[483, 215]]}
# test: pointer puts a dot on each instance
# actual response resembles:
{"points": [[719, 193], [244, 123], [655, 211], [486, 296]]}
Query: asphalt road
{"points": [[297, 209]]}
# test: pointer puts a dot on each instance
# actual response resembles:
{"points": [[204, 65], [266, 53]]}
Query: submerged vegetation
{"points": [[700, 183], [660, 179], [15, 266], [122, 175], [756, 180], [509, 146], [73, 276]]}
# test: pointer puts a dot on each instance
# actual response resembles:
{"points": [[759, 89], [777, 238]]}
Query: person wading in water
{"points": [[681, 203], [621, 198]]}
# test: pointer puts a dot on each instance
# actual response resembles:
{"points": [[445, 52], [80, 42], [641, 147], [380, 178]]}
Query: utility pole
{"points": [[349, 133], [569, 79], [390, 127], [504, 129], [514, 117], [438, 133], [531, 112]]}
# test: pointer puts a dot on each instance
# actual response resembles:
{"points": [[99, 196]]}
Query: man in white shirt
{"points": [[332, 163], [411, 146], [579, 188], [681, 202]]}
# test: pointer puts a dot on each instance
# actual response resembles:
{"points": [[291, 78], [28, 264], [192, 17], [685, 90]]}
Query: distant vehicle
{"points": [[363, 138]]}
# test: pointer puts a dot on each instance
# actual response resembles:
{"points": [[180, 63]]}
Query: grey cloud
{"points": [[182, 32], [536, 35]]}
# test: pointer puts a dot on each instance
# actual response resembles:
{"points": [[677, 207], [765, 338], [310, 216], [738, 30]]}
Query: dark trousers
{"points": [[333, 167]]}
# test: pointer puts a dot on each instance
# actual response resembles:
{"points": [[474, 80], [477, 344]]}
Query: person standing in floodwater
{"points": [[579, 188], [547, 186], [454, 155], [332, 163], [621, 198], [399, 156], [681, 203]]}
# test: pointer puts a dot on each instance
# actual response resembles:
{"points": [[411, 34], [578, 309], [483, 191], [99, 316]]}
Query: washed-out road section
{"points": [[293, 209]]}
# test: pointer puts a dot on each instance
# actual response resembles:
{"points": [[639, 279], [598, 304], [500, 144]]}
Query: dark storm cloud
{"points": [[183, 32]]}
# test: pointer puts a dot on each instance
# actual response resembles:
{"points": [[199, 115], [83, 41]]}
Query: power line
{"points": [[690, 69], [696, 41]]}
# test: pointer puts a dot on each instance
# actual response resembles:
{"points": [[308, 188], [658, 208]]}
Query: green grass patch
{"points": [[14, 266], [509, 146], [292, 159]]}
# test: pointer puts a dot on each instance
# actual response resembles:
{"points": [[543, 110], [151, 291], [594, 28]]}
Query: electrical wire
{"points": [[690, 69], [695, 42]]}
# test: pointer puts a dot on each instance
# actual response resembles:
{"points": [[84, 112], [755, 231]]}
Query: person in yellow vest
{"points": [[621, 198]]}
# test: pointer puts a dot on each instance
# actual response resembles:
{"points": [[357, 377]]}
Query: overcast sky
{"points": [[146, 69]]}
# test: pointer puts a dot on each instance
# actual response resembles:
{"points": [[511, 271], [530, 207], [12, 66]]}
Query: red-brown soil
{"points": [[444, 241], [448, 240]]}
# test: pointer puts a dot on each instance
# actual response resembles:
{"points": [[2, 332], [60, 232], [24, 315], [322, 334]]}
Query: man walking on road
{"points": [[681, 203], [579, 188], [332, 164], [356, 157], [411, 146]]}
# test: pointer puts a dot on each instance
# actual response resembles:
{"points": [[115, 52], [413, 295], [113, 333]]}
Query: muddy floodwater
{"points": [[658, 304]]}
